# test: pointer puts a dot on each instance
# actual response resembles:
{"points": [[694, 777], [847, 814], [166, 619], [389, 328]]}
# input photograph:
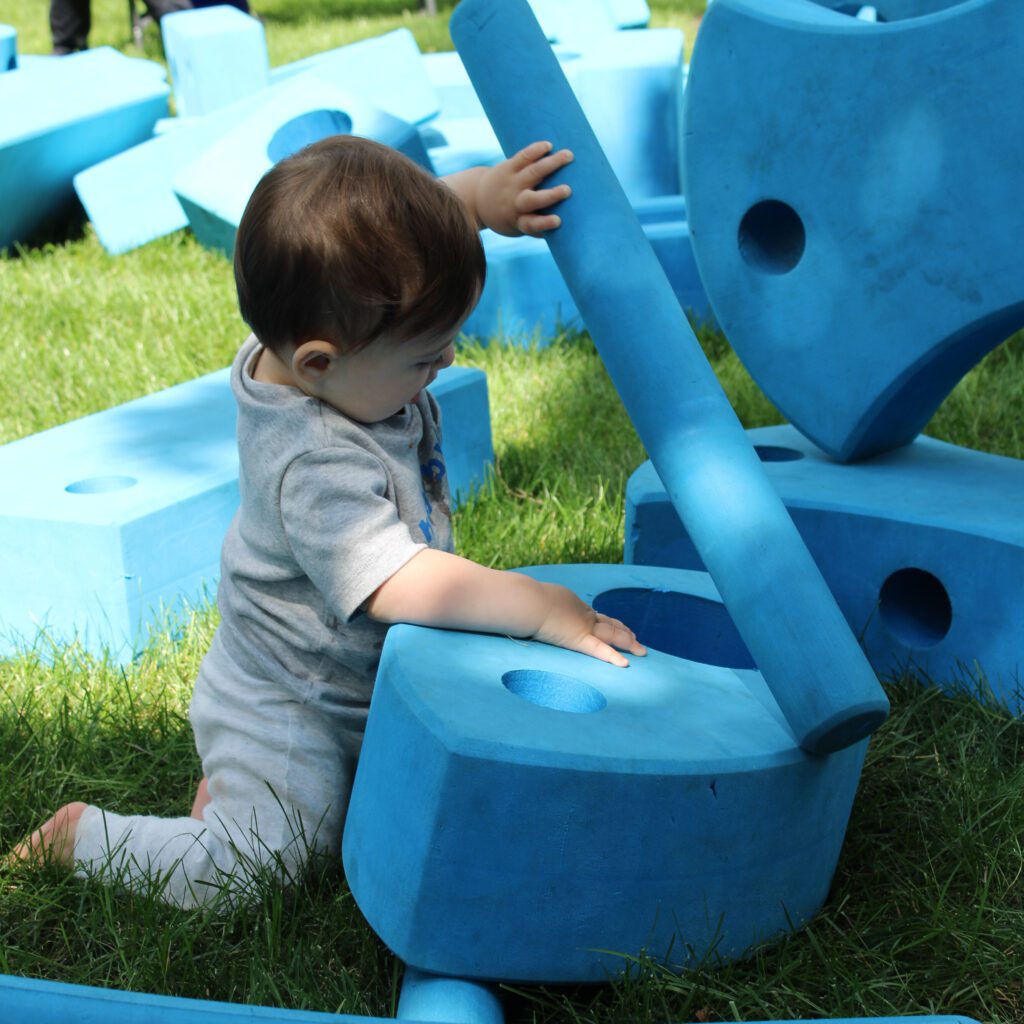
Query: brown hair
{"points": [[348, 239]]}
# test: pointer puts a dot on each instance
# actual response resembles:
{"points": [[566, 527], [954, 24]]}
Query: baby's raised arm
{"points": [[435, 588], [506, 197]]}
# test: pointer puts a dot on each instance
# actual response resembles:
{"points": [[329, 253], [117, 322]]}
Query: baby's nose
{"points": [[447, 357]]}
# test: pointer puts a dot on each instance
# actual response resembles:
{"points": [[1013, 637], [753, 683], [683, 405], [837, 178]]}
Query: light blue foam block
{"points": [[111, 523], [860, 254], [525, 296], [549, 814], [8, 48], [563, 20], [923, 548], [216, 55], [214, 189], [60, 116], [783, 610]]}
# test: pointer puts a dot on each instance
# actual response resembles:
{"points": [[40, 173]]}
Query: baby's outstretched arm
{"points": [[435, 588], [506, 197]]}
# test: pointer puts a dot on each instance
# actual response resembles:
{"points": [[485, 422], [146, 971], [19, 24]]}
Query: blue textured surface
{"points": [[216, 55], [681, 414], [923, 548], [860, 254], [546, 811], [60, 116], [8, 48], [108, 524], [215, 188], [427, 997], [526, 298]]}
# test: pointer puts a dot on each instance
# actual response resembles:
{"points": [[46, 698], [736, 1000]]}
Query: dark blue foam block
{"points": [[111, 523], [671, 393], [855, 203], [923, 548], [61, 116], [527, 813]]}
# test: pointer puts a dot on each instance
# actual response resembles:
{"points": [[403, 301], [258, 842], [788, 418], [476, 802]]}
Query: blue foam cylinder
{"points": [[526, 813], [923, 548], [430, 997], [747, 539], [855, 203]]}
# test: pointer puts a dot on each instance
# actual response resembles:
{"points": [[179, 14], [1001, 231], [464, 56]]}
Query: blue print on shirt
{"points": [[432, 472]]}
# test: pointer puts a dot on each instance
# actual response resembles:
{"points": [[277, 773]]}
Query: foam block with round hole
{"points": [[8, 48], [855, 204], [526, 813], [671, 393], [923, 548]]}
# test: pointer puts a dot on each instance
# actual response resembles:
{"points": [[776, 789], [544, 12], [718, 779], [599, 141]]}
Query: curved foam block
{"points": [[854, 195], [523, 812], [923, 548], [214, 189], [683, 417]]}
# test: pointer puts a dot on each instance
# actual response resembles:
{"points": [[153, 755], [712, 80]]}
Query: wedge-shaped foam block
{"points": [[923, 548], [860, 255], [60, 116], [520, 778], [525, 295], [214, 190], [564, 20], [8, 48], [110, 523], [671, 393], [216, 55]]}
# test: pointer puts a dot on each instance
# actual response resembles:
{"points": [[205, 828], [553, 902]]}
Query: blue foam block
{"points": [[549, 814], [685, 421], [216, 55], [525, 296], [111, 523], [455, 144], [214, 189], [923, 548], [8, 48], [564, 20], [860, 256], [61, 116], [630, 13], [388, 71]]}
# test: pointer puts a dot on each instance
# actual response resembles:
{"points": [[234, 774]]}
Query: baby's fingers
{"points": [[597, 648], [537, 224], [618, 634]]}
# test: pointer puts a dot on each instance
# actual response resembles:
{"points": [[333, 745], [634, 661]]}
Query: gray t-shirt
{"points": [[330, 509]]}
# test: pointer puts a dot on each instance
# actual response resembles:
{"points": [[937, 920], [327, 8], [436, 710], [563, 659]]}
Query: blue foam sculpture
{"points": [[738, 522], [923, 548], [111, 523], [525, 297], [214, 189], [835, 169], [8, 48], [548, 814], [216, 55], [563, 20], [62, 116]]}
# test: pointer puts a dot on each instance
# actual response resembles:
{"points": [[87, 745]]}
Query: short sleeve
{"points": [[343, 529]]}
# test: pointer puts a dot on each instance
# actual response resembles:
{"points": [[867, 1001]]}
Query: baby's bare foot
{"points": [[53, 840]]}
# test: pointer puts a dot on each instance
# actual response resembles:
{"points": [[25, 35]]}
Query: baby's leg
{"points": [[54, 839], [201, 800]]}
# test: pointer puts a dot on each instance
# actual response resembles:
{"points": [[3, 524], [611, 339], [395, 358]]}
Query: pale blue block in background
{"points": [[8, 48]]}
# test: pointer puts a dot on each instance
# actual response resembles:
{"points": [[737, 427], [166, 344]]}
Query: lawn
{"points": [[926, 914]]}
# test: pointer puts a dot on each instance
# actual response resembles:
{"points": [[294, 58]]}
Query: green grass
{"points": [[926, 913]]}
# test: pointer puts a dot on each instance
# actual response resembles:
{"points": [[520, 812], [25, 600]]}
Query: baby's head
{"points": [[350, 244]]}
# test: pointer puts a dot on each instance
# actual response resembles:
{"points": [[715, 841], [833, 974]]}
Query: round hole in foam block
{"points": [[306, 129], [494, 837], [101, 484], [915, 607], [555, 691]]}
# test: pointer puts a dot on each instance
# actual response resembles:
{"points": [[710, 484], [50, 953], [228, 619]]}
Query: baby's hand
{"points": [[573, 624], [508, 200]]}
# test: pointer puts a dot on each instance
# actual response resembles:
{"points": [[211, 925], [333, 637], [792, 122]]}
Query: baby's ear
{"points": [[312, 360]]}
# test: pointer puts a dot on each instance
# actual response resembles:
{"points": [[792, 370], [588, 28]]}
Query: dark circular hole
{"points": [[915, 607], [101, 484], [305, 129], [776, 453], [678, 624], [555, 691], [772, 237]]}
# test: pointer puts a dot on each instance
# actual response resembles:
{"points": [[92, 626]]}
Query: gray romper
{"points": [[330, 509]]}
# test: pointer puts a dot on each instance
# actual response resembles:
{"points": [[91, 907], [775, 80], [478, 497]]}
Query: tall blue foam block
{"points": [[111, 523], [214, 189], [548, 814], [860, 255], [717, 483], [63, 117], [923, 548], [8, 48], [216, 55], [525, 296]]}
